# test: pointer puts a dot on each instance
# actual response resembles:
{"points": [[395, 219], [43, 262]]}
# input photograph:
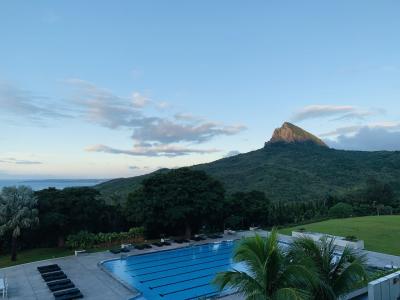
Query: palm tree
{"points": [[338, 273], [17, 212], [269, 274]]}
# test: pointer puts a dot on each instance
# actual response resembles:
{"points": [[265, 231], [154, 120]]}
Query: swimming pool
{"points": [[179, 274]]}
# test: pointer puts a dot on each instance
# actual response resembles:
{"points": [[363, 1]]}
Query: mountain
{"points": [[293, 165], [289, 133]]}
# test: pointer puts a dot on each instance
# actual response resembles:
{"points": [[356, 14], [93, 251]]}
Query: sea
{"points": [[46, 183]]}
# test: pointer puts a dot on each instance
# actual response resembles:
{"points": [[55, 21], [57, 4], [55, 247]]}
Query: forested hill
{"points": [[295, 169]]}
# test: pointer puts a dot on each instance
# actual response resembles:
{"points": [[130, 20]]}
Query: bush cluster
{"points": [[85, 239]]}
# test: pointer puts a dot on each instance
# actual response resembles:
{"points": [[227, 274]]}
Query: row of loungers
{"points": [[167, 243], [58, 283]]}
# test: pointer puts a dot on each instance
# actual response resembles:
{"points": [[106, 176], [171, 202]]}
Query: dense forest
{"points": [[177, 203], [288, 172]]}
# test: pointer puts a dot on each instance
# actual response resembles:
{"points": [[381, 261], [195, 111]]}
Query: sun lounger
{"points": [[158, 244], [60, 287], [51, 274], [55, 277], [125, 250], [62, 281], [115, 251], [70, 297], [68, 294], [49, 268]]}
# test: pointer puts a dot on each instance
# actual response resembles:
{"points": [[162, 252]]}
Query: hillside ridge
{"points": [[289, 170]]}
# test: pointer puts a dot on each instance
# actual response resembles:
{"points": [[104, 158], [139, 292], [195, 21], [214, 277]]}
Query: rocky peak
{"points": [[289, 133]]}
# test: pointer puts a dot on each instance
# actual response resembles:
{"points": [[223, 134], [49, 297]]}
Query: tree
{"points": [[246, 209], [338, 274], [341, 210], [177, 201], [18, 211], [269, 275], [378, 192], [67, 211]]}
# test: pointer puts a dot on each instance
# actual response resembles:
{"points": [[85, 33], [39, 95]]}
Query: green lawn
{"points": [[33, 255], [380, 233]]}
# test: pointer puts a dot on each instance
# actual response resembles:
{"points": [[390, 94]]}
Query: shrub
{"points": [[341, 210], [351, 238], [84, 239]]}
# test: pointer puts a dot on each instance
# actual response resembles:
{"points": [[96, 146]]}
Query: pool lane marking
{"points": [[166, 258], [199, 296], [178, 261], [182, 290], [185, 280], [178, 267], [182, 273]]}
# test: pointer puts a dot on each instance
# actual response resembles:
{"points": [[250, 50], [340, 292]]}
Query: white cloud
{"points": [[152, 150], [25, 105], [348, 130], [102, 107], [337, 112], [369, 139], [11, 160], [140, 100]]}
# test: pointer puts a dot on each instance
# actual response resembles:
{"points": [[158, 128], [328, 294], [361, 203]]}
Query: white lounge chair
{"points": [[4, 287]]}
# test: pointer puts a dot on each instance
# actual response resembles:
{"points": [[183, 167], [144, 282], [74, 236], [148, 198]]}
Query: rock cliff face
{"points": [[289, 133]]}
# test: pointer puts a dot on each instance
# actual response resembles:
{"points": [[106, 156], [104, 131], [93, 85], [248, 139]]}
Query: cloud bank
{"points": [[152, 135], [335, 112], [368, 139], [11, 160]]}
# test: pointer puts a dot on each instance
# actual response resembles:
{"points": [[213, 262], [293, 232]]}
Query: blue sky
{"points": [[101, 89]]}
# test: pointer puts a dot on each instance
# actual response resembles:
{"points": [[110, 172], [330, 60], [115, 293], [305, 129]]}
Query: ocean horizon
{"points": [[40, 184]]}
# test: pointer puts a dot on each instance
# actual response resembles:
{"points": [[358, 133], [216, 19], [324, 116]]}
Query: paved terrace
{"points": [[25, 282]]}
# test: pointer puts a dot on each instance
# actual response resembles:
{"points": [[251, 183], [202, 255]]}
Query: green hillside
{"points": [[380, 233], [290, 171]]}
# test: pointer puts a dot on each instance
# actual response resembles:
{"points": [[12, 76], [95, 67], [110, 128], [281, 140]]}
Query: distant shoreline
{"points": [[39, 184]]}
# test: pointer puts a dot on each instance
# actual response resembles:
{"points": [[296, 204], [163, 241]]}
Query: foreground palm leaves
{"points": [[308, 270]]}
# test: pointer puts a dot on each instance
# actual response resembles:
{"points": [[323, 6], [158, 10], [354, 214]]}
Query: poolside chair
{"points": [[61, 281], [49, 268], [55, 277], [70, 294], [158, 244], [52, 274], [60, 287], [4, 287]]}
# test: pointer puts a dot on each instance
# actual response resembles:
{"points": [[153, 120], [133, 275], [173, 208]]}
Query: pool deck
{"points": [[25, 282]]}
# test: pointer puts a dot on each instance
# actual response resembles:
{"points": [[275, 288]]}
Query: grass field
{"points": [[380, 233], [27, 256]]}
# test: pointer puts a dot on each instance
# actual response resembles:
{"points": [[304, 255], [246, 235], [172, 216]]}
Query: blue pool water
{"points": [[180, 274]]}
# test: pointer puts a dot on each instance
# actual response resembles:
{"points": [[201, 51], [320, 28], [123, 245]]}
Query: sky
{"points": [[105, 89]]}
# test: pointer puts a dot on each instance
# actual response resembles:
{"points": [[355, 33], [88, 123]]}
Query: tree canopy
{"points": [[176, 202], [18, 211]]}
